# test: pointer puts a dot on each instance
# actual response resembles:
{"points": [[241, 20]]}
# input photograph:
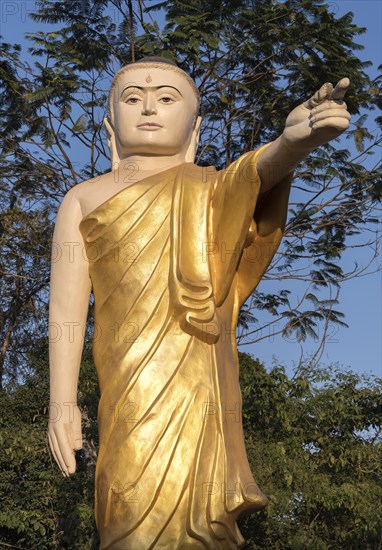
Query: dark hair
{"points": [[156, 59]]}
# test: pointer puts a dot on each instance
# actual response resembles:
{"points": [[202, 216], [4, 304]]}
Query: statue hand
{"points": [[64, 435], [319, 119]]}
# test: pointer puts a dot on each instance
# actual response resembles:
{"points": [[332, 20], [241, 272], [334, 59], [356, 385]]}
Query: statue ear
{"points": [[115, 160], [191, 151]]}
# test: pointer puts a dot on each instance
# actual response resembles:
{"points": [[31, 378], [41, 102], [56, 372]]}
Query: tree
{"points": [[40, 509], [314, 443], [251, 71]]}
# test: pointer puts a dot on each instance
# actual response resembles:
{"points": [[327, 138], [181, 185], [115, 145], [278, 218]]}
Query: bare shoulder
{"points": [[86, 196], [93, 192]]}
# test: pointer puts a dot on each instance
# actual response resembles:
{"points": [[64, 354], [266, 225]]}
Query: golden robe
{"points": [[172, 258]]}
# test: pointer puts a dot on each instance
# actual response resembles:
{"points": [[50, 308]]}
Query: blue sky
{"points": [[359, 346]]}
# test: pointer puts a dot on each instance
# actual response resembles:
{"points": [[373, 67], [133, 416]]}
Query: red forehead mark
{"points": [[148, 78]]}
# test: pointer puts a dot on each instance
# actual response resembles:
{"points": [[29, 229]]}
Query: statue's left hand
{"points": [[319, 119]]}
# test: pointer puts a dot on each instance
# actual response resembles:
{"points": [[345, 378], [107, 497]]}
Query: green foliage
{"points": [[314, 443], [39, 508]]}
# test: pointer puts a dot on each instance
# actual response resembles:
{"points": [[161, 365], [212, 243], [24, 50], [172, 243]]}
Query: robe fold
{"points": [[172, 258]]}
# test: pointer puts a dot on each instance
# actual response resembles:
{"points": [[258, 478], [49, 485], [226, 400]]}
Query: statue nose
{"points": [[149, 106]]}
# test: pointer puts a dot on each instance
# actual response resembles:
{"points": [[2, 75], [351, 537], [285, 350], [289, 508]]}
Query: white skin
{"points": [[155, 129]]}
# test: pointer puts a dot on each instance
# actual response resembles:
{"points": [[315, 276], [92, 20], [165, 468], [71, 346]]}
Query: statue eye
{"points": [[167, 99], [132, 100]]}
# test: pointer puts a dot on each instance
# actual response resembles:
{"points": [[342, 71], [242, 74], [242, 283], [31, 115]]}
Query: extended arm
{"points": [[318, 120], [69, 300]]}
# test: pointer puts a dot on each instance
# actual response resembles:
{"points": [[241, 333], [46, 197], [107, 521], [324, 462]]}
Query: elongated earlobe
{"points": [[191, 151], [114, 157]]}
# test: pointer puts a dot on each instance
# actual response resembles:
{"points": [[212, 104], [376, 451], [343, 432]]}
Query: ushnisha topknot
{"points": [[155, 59], [150, 62]]}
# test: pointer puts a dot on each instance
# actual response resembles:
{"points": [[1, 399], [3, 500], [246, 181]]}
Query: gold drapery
{"points": [[171, 259]]}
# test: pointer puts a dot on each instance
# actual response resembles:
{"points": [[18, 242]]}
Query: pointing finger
{"points": [[321, 95], [329, 106], [330, 113], [340, 89], [336, 124]]}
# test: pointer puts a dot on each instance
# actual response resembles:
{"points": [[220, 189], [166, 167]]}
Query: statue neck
{"points": [[143, 163]]}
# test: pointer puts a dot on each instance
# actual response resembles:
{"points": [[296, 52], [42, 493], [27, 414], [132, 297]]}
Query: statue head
{"points": [[153, 110]]}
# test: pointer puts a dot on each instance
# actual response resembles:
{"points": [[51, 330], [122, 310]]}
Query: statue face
{"points": [[154, 113]]}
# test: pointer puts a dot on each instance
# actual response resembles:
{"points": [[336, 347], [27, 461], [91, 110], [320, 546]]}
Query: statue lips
{"points": [[149, 126]]}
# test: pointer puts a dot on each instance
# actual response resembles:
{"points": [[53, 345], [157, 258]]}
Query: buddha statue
{"points": [[171, 251]]}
